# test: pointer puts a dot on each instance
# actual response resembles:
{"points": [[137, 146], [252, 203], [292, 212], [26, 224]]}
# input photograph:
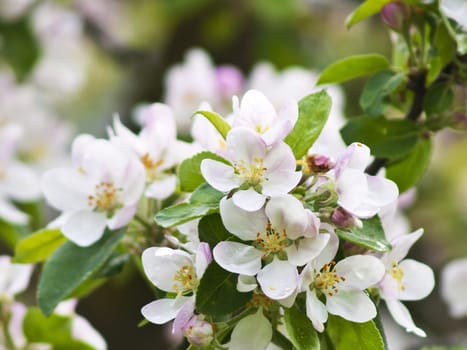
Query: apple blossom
{"points": [[101, 190], [341, 284], [174, 271], [257, 171], [405, 279], [454, 287], [14, 277], [282, 230]]}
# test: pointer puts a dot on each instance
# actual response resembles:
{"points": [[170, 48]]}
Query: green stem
{"points": [[5, 318]]}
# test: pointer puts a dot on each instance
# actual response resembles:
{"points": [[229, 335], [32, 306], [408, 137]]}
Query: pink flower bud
{"points": [[319, 164], [395, 14], [229, 81], [199, 332], [343, 219]]}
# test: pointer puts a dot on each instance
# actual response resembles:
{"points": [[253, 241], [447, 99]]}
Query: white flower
{"points": [[252, 332], [156, 146], [284, 229], [257, 171], [405, 279], [455, 9], [360, 194], [341, 284], [14, 278], [174, 271], [101, 190], [454, 287], [258, 114]]}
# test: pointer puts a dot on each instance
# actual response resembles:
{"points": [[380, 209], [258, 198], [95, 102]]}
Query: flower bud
{"points": [[343, 219], [319, 164], [199, 332], [395, 15], [229, 81]]}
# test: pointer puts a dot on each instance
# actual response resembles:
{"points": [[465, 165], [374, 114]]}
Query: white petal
{"points": [[161, 264], [10, 213], [163, 310], [238, 258], [360, 271], [14, 277], [183, 317], [277, 131], [401, 246], [305, 250], [21, 182], [243, 224], [66, 189], [245, 146], [203, 259], [287, 213], [131, 181], [454, 287], [278, 280], [356, 156], [402, 316], [353, 305], [246, 283], [315, 310], [84, 227], [328, 253], [249, 200], [255, 111], [219, 175], [82, 329], [418, 280], [254, 332], [122, 217], [163, 188], [352, 187]]}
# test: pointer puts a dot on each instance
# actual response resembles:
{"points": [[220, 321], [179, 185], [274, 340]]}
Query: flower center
{"points": [[261, 129], [254, 173], [151, 166], [271, 241], [185, 279], [397, 273], [327, 279], [105, 198]]}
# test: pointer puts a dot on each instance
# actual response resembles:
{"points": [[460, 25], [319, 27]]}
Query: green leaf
{"points": [[365, 10], [407, 172], [212, 231], [346, 335], [69, 266], [19, 46], [300, 330], [218, 121], [38, 246], [55, 330], [387, 138], [371, 235], [438, 99], [204, 201], [10, 233], [313, 112], [189, 173], [217, 293], [353, 67], [444, 52], [377, 88], [281, 341]]}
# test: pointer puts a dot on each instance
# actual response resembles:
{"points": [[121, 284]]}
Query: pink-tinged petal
{"points": [[356, 156], [401, 246], [122, 217], [401, 315], [161, 264], [381, 191], [219, 175], [66, 189], [316, 310], [85, 227], [279, 159], [252, 332], [18, 311], [418, 280], [352, 188], [21, 182], [243, 224], [163, 310], [81, 329], [10, 213], [246, 283], [304, 250], [353, 305], [454, 287], [289, 111], [278, 280], [255, 112], [238, 258], [244, 145], [360, 271], [313, 225], [277, 131], [162, 188], [287, 213], [183, 317], [249, 200], [328, 253], [203, 259]]}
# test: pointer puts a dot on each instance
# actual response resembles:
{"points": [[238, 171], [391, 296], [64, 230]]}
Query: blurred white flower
{"points": [[454, 287], [14, 278], [455, 9]]}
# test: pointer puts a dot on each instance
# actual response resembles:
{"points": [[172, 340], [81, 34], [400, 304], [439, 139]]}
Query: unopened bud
{"points": [[319, 164], [229, 81], [199, 332], [343, 219], [395, 15]]}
